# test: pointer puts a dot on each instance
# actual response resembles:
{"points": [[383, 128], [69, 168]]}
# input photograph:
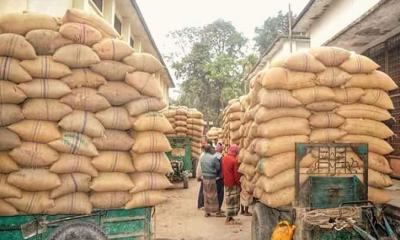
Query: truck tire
{"points": [[185, 182], [78, 231], [259, 223]]}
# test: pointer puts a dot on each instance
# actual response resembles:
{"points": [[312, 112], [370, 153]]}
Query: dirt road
{"points": [[179, 219]]}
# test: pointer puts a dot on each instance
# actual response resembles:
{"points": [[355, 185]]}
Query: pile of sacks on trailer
{"points": [[78, 117], [233, 116], [324, 95], [215, 134]]}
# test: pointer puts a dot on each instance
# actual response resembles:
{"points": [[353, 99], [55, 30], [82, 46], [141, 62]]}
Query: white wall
{"points": [[340, 14]]}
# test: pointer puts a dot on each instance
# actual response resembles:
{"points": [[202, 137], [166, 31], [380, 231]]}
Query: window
{"points": [[99, 4], [131, 42], [117, 24]]}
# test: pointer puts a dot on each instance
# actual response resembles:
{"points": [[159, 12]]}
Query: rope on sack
{"points": [[337, 218]]}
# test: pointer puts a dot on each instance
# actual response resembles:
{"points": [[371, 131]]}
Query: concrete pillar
{"points": [[109, 11]]}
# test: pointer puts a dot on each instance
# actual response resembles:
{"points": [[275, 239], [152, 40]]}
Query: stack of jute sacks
{"points": [[215, 133], [181, 116], [324, 95], [195, 129], [70, 96]]}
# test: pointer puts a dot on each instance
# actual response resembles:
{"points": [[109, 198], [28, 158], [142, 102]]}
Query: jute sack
{"points": [[11, 70], [45, 67], [7, 209], [143, 62], [112, 49], [13, 45], [73, 203], [325, 120], [332, 77], [152, 121], [21, 23], [44, 88], [72, 163], [86, 99], [142, 105], [10, 93], [31, 154], [378, 196], [249, 158], [378, 180], [146, 83], [247, 170], [150, 141], [45, 109], [326, 135], [111, 181], [36, 130], [375, 161], [281, 78], [75, 143], [235, 116], [180, 123], [280, 181], [115, 118], [277, 99], [145, 181], [264, 114], [378, 98], [8, 139], [303, 62], [112, 70], [235, 107], [82, 122], [281, 127], [46, 42], [76, 56], [313, 94], [330, 56], [323, 106], [34, 179], [10, 113], [32, 202], [7, 190], [84, 78], [114, 140], [118, 93], [80, 33], [374, 144], [195, 121], [107, 200], [270, 147], [276, 199], [348, 95], [363, 111], [359, 64], [113, 161], [366, 127], [152, 162], [376, 79], [70, 183], [80, 16], [180, 118], [146, 199], [7, 164]]}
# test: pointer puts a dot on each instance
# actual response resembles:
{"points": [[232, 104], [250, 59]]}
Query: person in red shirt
{"points": [[230, 167]]}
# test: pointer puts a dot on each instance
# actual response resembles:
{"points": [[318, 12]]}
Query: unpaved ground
{"points": [[179, 219]]}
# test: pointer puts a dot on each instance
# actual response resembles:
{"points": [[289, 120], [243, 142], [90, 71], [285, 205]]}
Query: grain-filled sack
{"points": [[45, 67], [32, 202], [348, 95], [150, 141], [142, 105], [152, 121], [280, 181], [281, 78], [146, 83], [75, 143], [76, 56], [281, 127], [73, 203], [282, 197], [31, 154], [8, 139], [115, 118], [10, 93], [151, 162], [330, 56], [11, 70], [366, 127], [21, 23], [7, 190], [376, 79], [84, 77], [44, 88], [34, 179], [304, 62], [99, 23], [269, 147], [326, 135], [363, 111], [82, 122], [112, 70], [332, 77], [359, 64], [195, 121], [264, 114], [247, 170], [378, 98], [70, 183], [143, 62], [145, 181], [325, 120], [7, 209], [36, 130], [45, 109], [248, 158], [107, 200], [313, 94], [114, 140], [86, 99], [118, 93], [80, 33], [112, 49], [375, 161], [10, 113], [277, 99], [7, 164], [378, 196], [46, 42], [113, 161], [323, 106], [111, 181], [13, 45], [374, 144], [146, 199], [180, 123], [235, 116], [72, 163], [379, 180]]}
